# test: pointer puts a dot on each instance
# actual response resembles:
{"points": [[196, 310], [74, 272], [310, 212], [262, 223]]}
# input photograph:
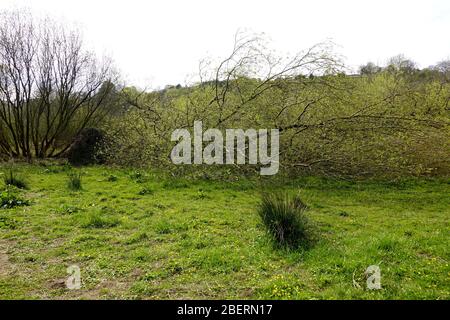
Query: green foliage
{"points": [[9, 198], [388, 123], [14, 179], [83, 150], [74, 181], [284, 218], [7, 223]]}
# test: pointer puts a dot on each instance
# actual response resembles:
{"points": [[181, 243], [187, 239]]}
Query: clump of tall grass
{"points": [[13, 179], [74, 181], [284, 217]]}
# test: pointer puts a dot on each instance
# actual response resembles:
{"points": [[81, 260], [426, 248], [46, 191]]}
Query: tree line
{"points": [[384, 120]]}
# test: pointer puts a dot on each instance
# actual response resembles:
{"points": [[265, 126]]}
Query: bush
{"points": [[284, 217], [84, 148], [13, 179], [74, 182], [9, 199]]}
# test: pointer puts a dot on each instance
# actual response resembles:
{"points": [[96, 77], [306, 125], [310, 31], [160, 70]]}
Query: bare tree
{"points": [[251, 59], [50, 87]]}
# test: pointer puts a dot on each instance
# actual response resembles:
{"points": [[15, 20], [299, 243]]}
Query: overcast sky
{"points": [[160, 42]]}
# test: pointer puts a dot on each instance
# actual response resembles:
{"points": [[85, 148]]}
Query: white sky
{"points": [[160, 42]]}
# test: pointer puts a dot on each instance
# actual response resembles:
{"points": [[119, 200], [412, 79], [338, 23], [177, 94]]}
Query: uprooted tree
{"points": [[51, 88], [393, 120]]}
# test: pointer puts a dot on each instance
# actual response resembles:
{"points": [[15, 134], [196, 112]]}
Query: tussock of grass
{"points": [[284, 218], [74, 181]]}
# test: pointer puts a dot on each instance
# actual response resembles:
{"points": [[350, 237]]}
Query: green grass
{"points": [[140, 235], [283, 214], [12, 178], [74, 181]]}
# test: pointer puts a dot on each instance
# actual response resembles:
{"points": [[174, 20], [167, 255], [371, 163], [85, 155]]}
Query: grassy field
{"points": [[137, 235]]}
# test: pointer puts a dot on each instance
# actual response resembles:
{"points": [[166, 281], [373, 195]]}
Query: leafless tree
{"points": [[251, 59], [51, 88]]}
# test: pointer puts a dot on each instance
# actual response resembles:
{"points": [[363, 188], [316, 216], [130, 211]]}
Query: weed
{"points": [[10, 199]]}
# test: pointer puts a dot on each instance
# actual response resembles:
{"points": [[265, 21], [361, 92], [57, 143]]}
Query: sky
{"points": [[160, 42]]}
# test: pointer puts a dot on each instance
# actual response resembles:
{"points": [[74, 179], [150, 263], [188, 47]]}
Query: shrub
{"points": [[9, 199], [284, 217], [85, 146], [74, 181], [13, 179]]}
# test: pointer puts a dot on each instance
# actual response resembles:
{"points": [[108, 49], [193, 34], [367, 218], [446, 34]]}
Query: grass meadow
{"points": [[137, 234]]}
